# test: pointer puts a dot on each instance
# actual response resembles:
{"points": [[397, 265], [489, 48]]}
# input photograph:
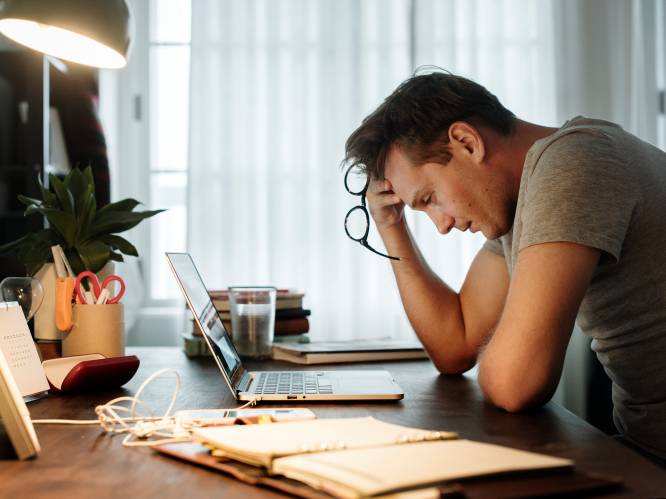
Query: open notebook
{"points": [[358, 457]]}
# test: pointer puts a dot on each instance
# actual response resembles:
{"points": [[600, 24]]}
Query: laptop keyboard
{"points": [[293, 383]]}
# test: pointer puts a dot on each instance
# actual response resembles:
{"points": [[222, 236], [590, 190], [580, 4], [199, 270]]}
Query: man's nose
{"points": [[443, 223]]}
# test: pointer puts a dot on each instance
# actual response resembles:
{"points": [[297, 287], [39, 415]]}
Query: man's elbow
{"points": [[458, 365], [512, 402], [512, 395]]}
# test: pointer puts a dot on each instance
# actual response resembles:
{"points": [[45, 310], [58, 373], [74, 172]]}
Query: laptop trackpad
{"points": [[360, 382]]}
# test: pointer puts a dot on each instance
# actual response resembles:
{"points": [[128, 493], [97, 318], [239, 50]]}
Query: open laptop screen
{"points": [[202, 307]]}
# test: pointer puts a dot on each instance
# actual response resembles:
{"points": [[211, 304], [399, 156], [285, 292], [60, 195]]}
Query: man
{"points": [[575, 226]]}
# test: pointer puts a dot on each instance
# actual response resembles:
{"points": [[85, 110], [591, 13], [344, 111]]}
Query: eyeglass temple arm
{"points": [[367, 246]]}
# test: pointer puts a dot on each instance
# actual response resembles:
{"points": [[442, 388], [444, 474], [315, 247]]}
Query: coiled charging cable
{"points": [[141, 430]]}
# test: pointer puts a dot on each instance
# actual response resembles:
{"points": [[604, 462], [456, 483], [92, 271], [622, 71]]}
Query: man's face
{"points": [[464, 194]]}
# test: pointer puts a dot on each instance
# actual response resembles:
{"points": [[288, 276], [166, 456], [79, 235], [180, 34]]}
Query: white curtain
{"points": [[606, 61], [276, 88]]}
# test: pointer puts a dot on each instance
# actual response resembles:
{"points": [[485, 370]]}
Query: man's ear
{"points": [[467, 138]]}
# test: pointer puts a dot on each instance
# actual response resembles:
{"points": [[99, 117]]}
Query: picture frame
{"points": [[15, 415]]}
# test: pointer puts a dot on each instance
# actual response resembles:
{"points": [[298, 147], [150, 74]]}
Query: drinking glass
{"points": [[252, 320]]}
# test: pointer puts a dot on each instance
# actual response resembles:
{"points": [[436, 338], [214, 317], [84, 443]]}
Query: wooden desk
{"points": [[84, 462]]}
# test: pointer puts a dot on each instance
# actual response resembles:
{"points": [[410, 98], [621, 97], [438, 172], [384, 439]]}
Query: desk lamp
{"points": [[90, 32]]}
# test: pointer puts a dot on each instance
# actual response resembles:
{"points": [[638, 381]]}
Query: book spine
{"points": [[282, 327], [287, 304], [292, 338], [290, 313], [292, 326]]}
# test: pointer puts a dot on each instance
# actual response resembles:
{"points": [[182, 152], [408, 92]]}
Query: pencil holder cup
{"points": [[97, 329]]}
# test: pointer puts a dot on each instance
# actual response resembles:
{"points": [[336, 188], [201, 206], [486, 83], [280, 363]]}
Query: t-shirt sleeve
{"points": [[494, 246], [581, 191]]}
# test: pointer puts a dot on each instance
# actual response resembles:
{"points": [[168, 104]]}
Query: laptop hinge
{"points": [[245, 381]]}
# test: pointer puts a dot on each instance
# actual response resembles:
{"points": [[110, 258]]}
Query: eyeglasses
{"points": [[357, 221]]}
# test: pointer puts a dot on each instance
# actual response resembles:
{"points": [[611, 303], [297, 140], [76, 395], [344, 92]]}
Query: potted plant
{"points": [[89, 236]]}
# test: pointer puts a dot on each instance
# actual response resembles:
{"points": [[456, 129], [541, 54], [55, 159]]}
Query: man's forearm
{"points": [[432, 307]]}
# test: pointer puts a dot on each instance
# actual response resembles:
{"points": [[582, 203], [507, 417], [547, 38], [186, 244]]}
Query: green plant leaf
{"points": [[94, 254], [49, 199], [65, 223], [112, 222], [88, 177], [123, 205], [120, 243], [75, 261], [29, 201], [86, 216], [31, 210], [116, 257], [77, 187], [65, 197]]}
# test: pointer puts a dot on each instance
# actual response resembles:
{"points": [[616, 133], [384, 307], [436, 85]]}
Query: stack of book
{"points": [[291, 320]]}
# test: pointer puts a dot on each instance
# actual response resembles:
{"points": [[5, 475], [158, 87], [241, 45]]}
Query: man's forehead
{"points": [[407, 180], [397, 163]]}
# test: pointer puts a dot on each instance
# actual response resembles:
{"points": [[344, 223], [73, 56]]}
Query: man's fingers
{"points": [[387, 199], [380, 187], [393, 199]]}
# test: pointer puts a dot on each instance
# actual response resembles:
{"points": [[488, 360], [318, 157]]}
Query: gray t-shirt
{"points": [[594, 184]]}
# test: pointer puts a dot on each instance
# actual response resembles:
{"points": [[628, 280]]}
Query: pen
{"points": [[103, 296]]}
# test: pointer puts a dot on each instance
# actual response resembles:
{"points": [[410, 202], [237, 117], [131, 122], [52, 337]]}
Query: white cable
{"points": [[139, 429], [137, 426]]}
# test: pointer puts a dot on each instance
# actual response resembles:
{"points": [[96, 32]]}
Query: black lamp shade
{"points": [[103, 21]]}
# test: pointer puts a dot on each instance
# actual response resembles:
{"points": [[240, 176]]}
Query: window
{"points": [[168, 112]]}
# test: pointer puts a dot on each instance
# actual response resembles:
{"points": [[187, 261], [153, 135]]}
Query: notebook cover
{"points": [[100, 374], [539, 484], [198, 454]]}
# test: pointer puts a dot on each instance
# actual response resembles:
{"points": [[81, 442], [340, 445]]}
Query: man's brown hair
{"points": [[417, 117]]}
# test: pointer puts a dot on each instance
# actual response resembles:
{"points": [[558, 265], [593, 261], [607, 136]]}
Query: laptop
{"points": [[297, 386]]}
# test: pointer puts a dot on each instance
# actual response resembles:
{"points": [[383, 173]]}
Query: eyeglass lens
{"points": [[355, 180], [356, 223]]}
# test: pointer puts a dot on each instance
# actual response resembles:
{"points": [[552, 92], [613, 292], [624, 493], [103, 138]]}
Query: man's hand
{"points": [[385, 206]]}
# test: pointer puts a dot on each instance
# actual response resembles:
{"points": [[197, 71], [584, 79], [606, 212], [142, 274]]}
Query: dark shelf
{"points": [[12, 214]]}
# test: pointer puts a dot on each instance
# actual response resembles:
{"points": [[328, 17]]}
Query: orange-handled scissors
{"points": [[97, 288]]}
